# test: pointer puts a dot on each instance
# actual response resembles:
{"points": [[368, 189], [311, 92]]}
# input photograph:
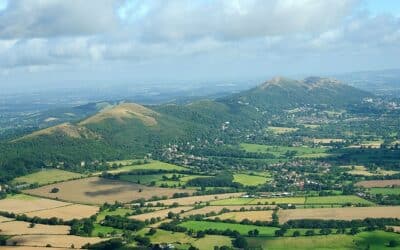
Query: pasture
{"points": [[337, 199], [249, 180], [23, 228], [250, 215], [69, 212], [363, 171], [65, 241], [385, 191], [281, 130], [160, 179], [153, 165], [185, 201], [24, 203], [242, 229], [259, 201], [281, 151], [96, 190], [217, 209], [47, 176], [363, 240], [163, 213], [378, 183], [340, 213]]}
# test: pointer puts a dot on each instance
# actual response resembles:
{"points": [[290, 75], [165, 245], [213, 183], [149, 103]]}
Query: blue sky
{"points": [[92, 42]]}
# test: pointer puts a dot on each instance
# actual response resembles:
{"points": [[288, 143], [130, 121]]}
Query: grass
{"points": [[280, 151], [337, 199], [262, 201], [99, 229], [158, 179], [385, 191], [22, 197], [281, 130], [46, 177], [249, 180], [375, 240], [153, 165], [242, 229], [118, 211]]}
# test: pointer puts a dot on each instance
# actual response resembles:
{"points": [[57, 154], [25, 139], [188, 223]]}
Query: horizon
{"points": [[57, 44]]}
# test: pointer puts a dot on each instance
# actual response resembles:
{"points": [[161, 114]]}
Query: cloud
{"points": [[54, 18]]}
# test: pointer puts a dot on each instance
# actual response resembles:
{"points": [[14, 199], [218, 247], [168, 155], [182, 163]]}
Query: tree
{"points": [[54, 190], [296, 233], [240, 242], [310, 233], [393, 243]]}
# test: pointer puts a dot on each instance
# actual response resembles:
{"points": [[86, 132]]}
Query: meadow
{"points": [[364, 240], [249, 180], [249, 215], [197, 199], [281, 130], [280, 151], [242, 229], [159, 179], [259, 201], [58, 241], [163, 213], [22, 203], [47, 176], [337, 199], [385, 191], [378, 183], [153, 165]]}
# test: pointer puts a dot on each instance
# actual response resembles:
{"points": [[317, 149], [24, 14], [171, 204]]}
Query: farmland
{"points": [[280, 151], [249, 180], [169, 180], [385, 191], [24, 203], [198, 199], [242, 229], [23, 228], [337, 199], [378, 183], [281, 130], [250, 215], [69, 212], [217, 209], [160, 213], [46, 177], [345, 213], [372, 240], [52, 240], [153, 165], [95, 190], [259, 201]]}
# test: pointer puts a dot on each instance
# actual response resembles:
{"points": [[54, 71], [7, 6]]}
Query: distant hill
{"points": [[128, 130], [281, 92]]}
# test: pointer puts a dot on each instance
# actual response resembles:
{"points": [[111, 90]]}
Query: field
{"points": [[22, 228], [342, 213], [242, 229], [249, 180], [46, 177], [281, 130], [95, 190], [217, 209], [378, 183], [153, 165], [365, 240], [280, 151], [327, 140], [118, 211], [206, 243], [24, 203], [363, 171], [4, 219], [261, 201], [69, 212], [250, 215], [29, 248], [53, 240], [197, 199], [160, 213], [337, 199], [385, 191], [158, 179]]}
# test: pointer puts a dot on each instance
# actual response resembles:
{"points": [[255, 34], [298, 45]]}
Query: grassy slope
{"points": [[47, 177]]}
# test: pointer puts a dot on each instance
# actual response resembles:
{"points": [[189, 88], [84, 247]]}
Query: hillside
{"points": [[129, 130], [280, 92]]}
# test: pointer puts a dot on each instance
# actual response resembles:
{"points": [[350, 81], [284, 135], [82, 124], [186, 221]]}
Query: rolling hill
{"points": [[128, 130]]}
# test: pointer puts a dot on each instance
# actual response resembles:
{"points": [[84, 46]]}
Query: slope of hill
{"points": [[282, 92]]}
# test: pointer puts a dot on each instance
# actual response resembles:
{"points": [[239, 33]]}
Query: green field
{"points": [[337, 199], [385, 191], [158, 179], [153, 165], [242, 229], [375, 240], [281, 130], [281, 151], [249, 180], [46, 177], [262, 201], [118, 211]]}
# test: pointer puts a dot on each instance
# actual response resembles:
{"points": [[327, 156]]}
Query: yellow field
{"points": [[159, 213], [250, 215], [95, 190], [378, 183], [53, 240], [75, 211], [198, 199], [22, 228], [343, 213], [23, 204]]}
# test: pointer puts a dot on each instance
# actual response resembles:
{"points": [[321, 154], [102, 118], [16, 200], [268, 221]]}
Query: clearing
{"points": [[249, 180]]}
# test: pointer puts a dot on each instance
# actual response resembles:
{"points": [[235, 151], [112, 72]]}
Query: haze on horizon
{"points": [[58, 43]]}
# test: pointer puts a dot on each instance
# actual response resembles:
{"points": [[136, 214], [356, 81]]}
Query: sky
{"points": [[59, 43]]}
